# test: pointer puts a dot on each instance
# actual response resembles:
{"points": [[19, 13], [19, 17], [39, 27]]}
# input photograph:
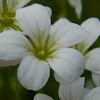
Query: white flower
{"points": [[73, 91], [73, 94], [77, 4], [92, 58], [44, 46]]}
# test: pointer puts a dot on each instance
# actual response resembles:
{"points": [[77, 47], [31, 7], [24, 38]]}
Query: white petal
{"points": [[93, 60], [32, 73], [60, 79], [96, 79], [4, 63], [85, 92], [93, 94], [73, 91], [12, 45], [67, 33], [1, 6], [49, 10], [34, 20], [77, 4], [69, 64], [92, 26], [42, 97], [13, 5]]}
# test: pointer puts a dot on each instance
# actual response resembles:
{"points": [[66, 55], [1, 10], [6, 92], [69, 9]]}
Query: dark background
{"points": [[10, 88]]}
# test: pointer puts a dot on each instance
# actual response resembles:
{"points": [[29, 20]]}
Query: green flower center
{"points": [[41, 49]]}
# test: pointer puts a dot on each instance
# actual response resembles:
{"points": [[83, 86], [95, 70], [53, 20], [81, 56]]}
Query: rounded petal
{"points": [[73, 91], [68, 63], [32, 73], [96, 79], [42, 97], [4, 63], [67, 33], [60, 79], [93, 60], [15, 4], [93, 94], [49, 10], [12, 45], [34, 20], [77, 4], [92, 26]]}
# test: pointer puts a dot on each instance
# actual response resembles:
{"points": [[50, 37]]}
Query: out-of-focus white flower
{"points": [[9, 22], [73, 91], [42, 47], [94, 94], [92, 58], [77, 4]]}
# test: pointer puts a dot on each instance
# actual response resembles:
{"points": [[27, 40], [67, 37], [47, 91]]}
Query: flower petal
{"points": [[12, 45], [32, 73], [93, 60], [73, 91], [42, 97], [60, 79], [4, 63], [67, 33], [34, 20], [96, 79], [92, 26], [93, 94], [68, 63], [13, 5], [49, 10], [77, 4]]}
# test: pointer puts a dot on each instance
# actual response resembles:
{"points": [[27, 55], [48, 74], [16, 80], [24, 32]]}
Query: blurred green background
{"points": [[10, 88]]}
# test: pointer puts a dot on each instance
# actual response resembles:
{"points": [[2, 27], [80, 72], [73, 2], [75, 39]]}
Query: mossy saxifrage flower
{"points": [[42, 46]]}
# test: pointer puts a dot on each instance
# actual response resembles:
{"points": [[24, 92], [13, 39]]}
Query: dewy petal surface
{"points": [[96, 79], [77, 4], [67, 33], [93, 94], [12, 45], [34, 20], [32, 73], [73, 91], [69, 64], [92, 62], [42, 97], [92, 26]]}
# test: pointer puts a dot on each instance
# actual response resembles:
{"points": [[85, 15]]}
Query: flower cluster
{"points": [[37, 46]]}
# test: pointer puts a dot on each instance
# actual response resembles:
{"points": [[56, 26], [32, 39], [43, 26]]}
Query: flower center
{"points": [[41, 49], [7, 19]]}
